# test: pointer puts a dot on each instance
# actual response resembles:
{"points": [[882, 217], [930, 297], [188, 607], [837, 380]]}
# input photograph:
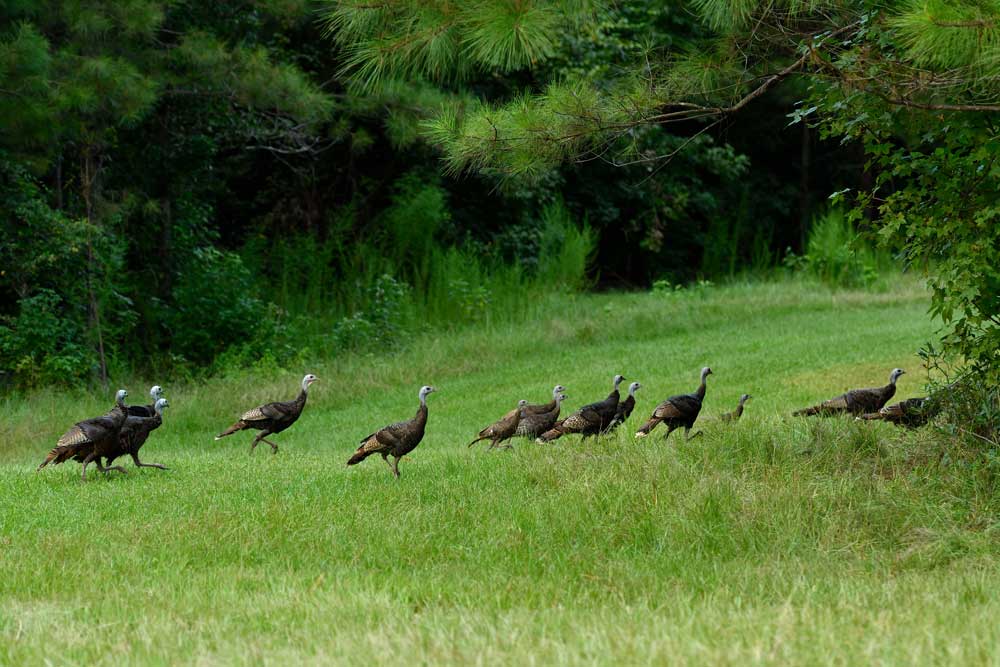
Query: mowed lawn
{"points": [[775, 540]]}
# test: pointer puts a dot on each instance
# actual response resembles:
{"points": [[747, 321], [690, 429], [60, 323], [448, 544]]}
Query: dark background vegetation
{"points": [[188, 186]]}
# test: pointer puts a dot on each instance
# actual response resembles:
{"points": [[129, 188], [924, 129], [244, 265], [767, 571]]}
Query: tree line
{"points": [[190, 185]]}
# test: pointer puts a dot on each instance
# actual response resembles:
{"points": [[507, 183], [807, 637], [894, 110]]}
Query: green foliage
{"points": [[445, 41], [565, 250], [215, 305], [837, 255], [43, 344], [379, 324]]}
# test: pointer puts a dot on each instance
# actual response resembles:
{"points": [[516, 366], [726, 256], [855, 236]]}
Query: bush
{"points": [[380, 322], [43, 344], [214, 306], [836, 254]]}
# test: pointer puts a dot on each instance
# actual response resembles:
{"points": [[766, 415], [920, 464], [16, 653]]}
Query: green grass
{"points": [[774, 541]]}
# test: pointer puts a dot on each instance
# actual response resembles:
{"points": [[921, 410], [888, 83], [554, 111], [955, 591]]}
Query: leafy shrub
{"points": [[214, 306], [472, 299], [836, 255], [566, 250], [43, 344], [380, 322]]}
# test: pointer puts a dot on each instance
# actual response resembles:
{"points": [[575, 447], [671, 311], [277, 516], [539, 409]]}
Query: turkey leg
{"points": [[97, 462], [140, 464]]}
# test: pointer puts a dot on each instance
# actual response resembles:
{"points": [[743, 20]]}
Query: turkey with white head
{"points": [[91, 439], [738, 412], [397, 439], [537, 419], [272, 418], [856, 401], [678, 411], [155, 393], [625, 407]]}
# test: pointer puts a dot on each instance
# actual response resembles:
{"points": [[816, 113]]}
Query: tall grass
{"points": [[328, 288], [837, 255], [771, 541]]}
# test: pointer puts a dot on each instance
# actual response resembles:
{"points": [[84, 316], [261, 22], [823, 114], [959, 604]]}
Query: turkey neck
{"points": [[300, 400], [701, 390], [119, 412], [420, 419]]}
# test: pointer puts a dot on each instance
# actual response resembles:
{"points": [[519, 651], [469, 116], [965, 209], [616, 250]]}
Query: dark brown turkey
{"points": [[738, 412], [134, 434], [589, 420], [912, 413], [532, 426], [537, 419], [91, 439], [855, 401], [504, 428], [677, 411], [273, 417], [156, 393], [625, 408], [397, 439]]}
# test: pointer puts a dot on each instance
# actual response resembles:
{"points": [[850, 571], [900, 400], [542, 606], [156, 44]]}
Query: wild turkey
{"points": [[135, 432], [91, 439], [625, 408], [397, 439], [856, 401], [504, 428], [738, 412], [532, 426], [273, 417], [912, 412], [589, 420], [156, 393], [677, 411]]}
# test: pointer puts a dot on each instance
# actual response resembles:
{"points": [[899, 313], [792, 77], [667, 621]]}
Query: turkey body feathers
{"points": [[503, 429], [274, 417], [677, 411], [397, 439], [856, 401], [91, 438], [912, 412], [589, 420]]}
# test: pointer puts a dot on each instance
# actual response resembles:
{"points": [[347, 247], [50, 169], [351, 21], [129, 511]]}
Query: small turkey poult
{"points": [[856, 401], [738, 412], [504, 428], [397, 439], [677, 411], [272, 418], [91, 439]]}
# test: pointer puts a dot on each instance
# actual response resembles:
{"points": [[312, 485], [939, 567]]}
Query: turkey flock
{"points": [[125, 428]]}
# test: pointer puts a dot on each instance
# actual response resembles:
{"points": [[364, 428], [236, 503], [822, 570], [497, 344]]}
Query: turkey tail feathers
{"points": [[238, 426], [358, 457], [646, 428]]}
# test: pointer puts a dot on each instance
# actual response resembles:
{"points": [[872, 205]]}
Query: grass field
{"points": [[774, 541]]}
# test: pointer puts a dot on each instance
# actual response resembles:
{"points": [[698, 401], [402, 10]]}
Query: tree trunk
{"points": [[88, 169]]}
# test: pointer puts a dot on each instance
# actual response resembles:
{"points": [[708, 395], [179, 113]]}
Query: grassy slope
{"points": [[776, 541]]}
